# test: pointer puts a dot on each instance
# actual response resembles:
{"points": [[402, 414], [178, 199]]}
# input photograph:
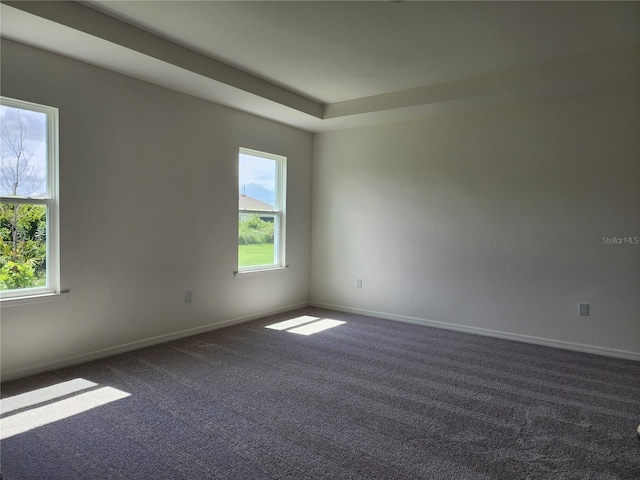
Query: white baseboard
{"points": [[609, 352], [127, 347]]}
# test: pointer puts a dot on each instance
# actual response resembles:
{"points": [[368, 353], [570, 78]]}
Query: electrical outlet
{"points": [[583, 309], [188, 296], [359, 283]]}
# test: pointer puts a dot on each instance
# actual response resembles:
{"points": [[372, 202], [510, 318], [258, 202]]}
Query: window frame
{"points": [[279, 213], [50, 200]]}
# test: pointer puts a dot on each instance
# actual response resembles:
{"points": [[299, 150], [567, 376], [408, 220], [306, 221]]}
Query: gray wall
{"points": [[489, 221], [148, 188]]}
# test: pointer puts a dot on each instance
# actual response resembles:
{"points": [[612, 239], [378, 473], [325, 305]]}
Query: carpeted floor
{"points": [[366, 399]]}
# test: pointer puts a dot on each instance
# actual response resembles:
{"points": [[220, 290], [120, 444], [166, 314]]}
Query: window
{"points": [[261, 210], [29, 199]]}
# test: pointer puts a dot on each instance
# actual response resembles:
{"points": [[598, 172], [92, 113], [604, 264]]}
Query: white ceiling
{"points": [[336, 51], [325, 65]]}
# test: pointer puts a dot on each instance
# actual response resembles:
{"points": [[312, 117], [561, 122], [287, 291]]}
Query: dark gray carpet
{"points": [[369, 399]]}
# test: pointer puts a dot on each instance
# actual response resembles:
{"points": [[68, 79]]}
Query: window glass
{"points": [[28, 215], [260, 213]]}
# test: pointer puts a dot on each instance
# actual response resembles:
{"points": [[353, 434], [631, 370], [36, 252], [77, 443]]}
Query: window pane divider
{"points": [[26, 200], [260, 212]]}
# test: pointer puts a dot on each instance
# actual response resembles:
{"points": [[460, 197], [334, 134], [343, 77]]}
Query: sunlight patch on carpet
{"points": [[294, 322], [305, 325], [45, 394], [79, 401], [316, 327]]}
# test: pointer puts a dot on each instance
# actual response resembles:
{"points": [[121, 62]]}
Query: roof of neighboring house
{"points": [[250, 203]]}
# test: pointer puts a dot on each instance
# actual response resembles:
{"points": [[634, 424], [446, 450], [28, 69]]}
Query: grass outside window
{"points": [[255, 254]]}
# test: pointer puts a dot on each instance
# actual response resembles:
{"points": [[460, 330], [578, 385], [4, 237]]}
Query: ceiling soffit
{"points": [[74, 30]]}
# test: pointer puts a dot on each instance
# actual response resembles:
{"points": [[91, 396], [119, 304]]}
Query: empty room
{"points": [[319, 240]]}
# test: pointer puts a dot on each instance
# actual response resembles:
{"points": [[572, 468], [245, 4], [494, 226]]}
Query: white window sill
{"points": [[31, 299], [260, 270]]}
